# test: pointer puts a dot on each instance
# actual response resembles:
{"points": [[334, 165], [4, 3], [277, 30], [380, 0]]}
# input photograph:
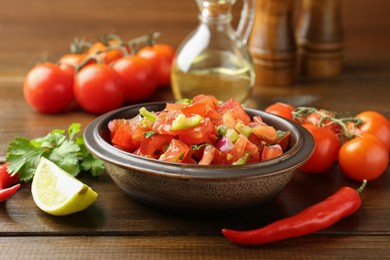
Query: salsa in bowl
{"points": [[189, 185]]}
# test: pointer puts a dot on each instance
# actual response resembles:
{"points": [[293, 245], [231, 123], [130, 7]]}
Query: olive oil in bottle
{"points": [[214, 59], [234, 79]]}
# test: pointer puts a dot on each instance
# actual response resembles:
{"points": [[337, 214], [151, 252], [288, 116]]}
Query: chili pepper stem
{"points": [[361, 188]]}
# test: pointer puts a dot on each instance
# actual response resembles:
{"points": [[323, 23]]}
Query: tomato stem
{"points": [[327, 118], [79, 45]]}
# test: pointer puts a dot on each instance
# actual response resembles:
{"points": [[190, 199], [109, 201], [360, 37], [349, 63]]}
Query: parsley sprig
{"points": [[64, 148]]}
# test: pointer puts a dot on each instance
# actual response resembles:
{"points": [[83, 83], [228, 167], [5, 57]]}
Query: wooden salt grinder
{"points": [[320, 38], [272, 43]]}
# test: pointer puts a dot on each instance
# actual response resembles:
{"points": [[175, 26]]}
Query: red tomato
{"points": [[204, 132], [153, 146], [103, 55], [98, 88], [284, 140], [138, 77], [326, 148], [315, 118], [73, 58], [48, 89], [208, 155], [235, 109], [364, 157], [271, 151], [176, 151], [281, 109], [209, 100], [70, 61], [233, 153], [123, 138], [376, 124], [161, 56]]}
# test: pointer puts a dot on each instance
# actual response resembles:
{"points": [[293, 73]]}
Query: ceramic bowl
{"points": [[197, 187]]}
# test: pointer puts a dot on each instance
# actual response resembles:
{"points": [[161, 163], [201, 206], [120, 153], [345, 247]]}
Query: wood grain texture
{"points": [[191, 247], [118, 227]]}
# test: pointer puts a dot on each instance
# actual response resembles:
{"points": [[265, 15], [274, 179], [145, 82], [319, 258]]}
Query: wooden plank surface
{"points": [[118, 227], [191, 247]]}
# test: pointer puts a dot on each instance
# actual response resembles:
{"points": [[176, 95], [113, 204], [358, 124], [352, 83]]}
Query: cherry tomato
{"points": [[375, 123], [103, 55], [326, 148], [161, 56], [315, 118], [73, 58], [364, 157], [70, 61], [98, 88], [48, 89], [281, 109], [138, 77]]}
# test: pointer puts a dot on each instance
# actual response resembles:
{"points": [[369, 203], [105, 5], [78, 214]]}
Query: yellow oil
{"points": [[221, 74]]}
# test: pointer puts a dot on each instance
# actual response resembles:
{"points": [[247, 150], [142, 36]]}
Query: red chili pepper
{"points": [[6, 180], [343, 203], [8, 192]]}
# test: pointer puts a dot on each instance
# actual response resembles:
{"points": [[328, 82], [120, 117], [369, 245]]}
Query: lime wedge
{"points": [[58, 193]]}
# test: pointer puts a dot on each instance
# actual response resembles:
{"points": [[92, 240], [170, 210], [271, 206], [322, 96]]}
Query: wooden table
{"points": [[116, 226]]}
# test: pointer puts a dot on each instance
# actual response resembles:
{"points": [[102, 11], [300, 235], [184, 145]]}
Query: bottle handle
{"points": [[245, 24]]}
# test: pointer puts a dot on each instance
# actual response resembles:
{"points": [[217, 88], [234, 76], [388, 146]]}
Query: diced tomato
{"points": [[284, 140], [196, 138], [195, 108], [174, 106], [264, 132], [205, 132], [176, 152], [253, 150], [138, 133], [259, 120], [211, 101], [163, 123], [270, 152], [232, 155], [123, 139], [208, 155], [236, 110], [154, 145], [113, 126], [214, 115]]}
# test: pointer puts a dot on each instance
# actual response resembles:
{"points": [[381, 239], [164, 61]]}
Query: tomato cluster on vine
{"points": [[100, 76], [359, 144]]}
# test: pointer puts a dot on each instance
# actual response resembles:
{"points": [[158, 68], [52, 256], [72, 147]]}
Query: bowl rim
{"points": [[292, 159]]}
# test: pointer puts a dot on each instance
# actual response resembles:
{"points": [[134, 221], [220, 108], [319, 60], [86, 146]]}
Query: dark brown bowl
{"points": [[197, 187]]}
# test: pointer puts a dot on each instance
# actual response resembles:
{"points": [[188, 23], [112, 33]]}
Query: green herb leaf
{"points": [[65, 156], [149, 133], [23, 158], [92, 164], [71, 155]]}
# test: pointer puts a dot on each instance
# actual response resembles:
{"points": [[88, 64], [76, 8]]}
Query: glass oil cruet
{"points": [[214, 59]]}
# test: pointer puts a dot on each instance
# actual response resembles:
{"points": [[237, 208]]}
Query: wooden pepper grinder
{"points": [[272, 43], [320, 38]]}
